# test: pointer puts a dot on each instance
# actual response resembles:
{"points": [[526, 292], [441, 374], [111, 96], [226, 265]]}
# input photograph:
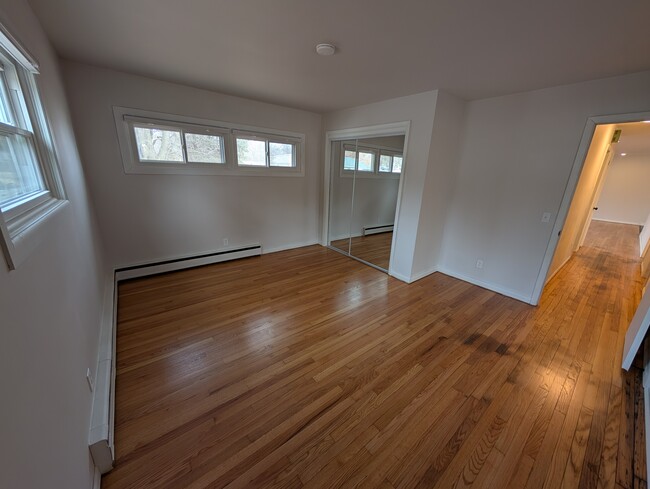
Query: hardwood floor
{"points": [[374, 248], [307, 369]]}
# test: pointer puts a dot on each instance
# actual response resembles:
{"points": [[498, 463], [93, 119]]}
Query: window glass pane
{"points": [[349, 160], [6, 111], [397, 164], [384, 163], [161, 145], [20, 174], [251, 152], [204, 148], [366, 161], [281, 154]]}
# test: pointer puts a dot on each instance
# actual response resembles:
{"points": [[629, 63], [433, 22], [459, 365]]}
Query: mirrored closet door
{"points": [[364, 183]]}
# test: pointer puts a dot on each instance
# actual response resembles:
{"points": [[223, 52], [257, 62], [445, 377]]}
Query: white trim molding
{"points": [[487, 285]]}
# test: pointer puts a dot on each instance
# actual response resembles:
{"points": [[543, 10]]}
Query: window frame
{"points": [[392, 154], [19, 217], [392, 164], [268, 140], [229, 132], [183, 129], [378, 152]]}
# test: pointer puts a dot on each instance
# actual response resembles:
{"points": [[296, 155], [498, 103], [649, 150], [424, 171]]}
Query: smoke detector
{"points": [[325, 49]]}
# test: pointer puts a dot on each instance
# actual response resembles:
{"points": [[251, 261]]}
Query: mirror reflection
{"points": [[364, 183]]}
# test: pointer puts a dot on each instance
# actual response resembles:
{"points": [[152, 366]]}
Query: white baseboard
{"points": [[100, 436], [487, 285], [97, 479], [368, 230], [346, 236], [548, 279], [617, 222], [417, 276], [266, 251], [401, 277], [187, 261]]}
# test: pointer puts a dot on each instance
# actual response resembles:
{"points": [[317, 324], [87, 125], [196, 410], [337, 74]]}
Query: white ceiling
{"points": [[264, 49], [634, 141]]}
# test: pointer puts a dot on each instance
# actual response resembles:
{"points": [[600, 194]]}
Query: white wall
{"points": [[375, 197], [441, 174], [51, 310], [419, 110], [173, 215], [579, 211], [517, 152], [625, 197]]}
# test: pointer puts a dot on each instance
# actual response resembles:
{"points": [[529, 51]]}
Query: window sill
{"points": [[23, 234], [208, 169]]}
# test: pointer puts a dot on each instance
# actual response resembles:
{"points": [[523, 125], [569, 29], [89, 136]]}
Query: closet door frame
{"points": [[380, 130]]}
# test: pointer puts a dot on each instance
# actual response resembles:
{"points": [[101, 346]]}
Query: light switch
{"points": [[546, 217]]}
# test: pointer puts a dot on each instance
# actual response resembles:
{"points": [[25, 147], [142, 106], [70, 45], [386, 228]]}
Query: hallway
{"points": [[307, 369], [597, 292]]}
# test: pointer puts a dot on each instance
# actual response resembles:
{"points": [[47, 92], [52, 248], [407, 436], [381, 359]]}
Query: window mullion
{"points": [[183, 146]]}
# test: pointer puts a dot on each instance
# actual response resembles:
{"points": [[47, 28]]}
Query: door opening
{"points": [[608, 213]]}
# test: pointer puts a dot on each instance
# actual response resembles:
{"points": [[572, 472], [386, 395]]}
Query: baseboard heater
{"points": [[181, 263], [386, 228], [100, 439]]}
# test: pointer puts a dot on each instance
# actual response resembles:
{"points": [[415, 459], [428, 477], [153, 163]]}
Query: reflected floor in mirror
{"points": [[373, 249]]}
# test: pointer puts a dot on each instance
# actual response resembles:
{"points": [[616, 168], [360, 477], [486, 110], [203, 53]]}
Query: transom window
{"points": [[177, 144], [371, 160], [162, 143], [30, 183], [361, 159], [390, 163], [265, 151]]}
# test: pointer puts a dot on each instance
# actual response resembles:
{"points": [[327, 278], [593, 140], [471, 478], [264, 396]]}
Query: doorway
{"points": [[363, 188], [596, 153], [612, 189], [608, 211]]}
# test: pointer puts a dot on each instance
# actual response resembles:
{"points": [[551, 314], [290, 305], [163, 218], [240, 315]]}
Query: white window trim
{"points": [[229, 131], [377, 151], [392, 153], [22, 223], [183, 127], [268, 139]]}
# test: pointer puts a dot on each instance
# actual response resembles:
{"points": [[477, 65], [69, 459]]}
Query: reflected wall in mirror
{"points": [[364, 183]]}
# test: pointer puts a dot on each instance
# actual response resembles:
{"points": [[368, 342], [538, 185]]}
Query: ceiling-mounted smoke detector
{"points": [[325, 49]]}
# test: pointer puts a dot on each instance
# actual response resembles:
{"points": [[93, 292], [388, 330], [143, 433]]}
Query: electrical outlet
{"points": [[546, 217], [479, 263], [89, 378], [225, 241]]}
